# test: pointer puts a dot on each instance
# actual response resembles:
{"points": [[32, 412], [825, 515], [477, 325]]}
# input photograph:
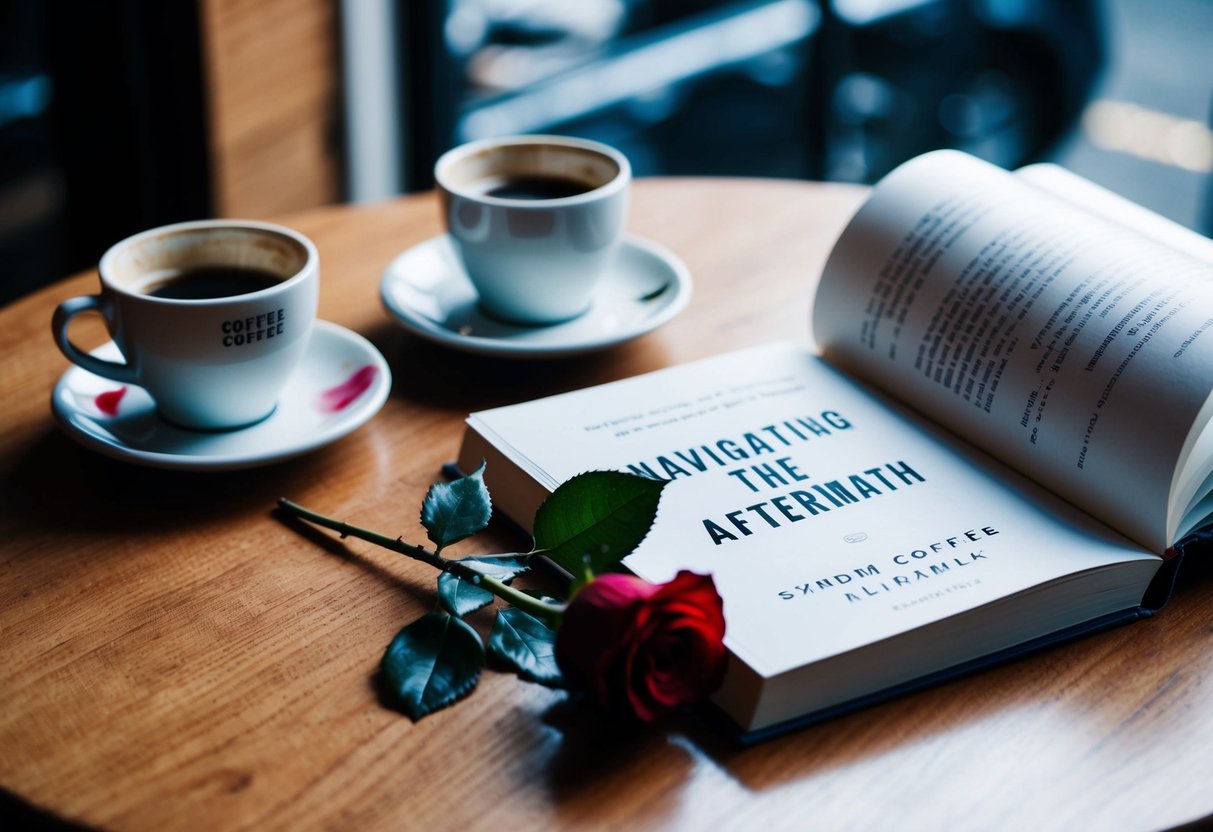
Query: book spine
{"points": [[1157, 595]]}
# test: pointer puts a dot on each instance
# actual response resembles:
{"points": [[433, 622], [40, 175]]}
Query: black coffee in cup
{"points": [[535, 187], [209, 282]]}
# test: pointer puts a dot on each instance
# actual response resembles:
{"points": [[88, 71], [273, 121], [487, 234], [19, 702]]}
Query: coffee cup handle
{"points": [[113, 370]]}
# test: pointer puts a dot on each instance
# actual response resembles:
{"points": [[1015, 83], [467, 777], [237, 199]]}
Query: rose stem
{"points": [[549, 614]]}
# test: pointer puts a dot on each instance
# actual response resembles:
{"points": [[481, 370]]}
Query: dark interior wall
{"points": [[118, 143]]}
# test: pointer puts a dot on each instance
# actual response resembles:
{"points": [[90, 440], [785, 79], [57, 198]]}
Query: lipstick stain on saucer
{"points": [[336, 399], [107, 402]]}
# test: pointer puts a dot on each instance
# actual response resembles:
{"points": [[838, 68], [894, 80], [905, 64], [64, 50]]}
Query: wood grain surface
{"points": [[272, 108], [175, 656]]}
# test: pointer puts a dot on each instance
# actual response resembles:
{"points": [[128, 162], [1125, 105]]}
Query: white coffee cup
{"points": [[211, 317], [535, 220]]}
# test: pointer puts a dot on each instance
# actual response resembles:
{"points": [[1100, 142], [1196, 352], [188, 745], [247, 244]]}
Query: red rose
{"points": [[644, 648]]}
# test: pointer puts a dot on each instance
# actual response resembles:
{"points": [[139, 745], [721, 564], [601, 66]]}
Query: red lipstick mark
{"points": [[107, 402], [338, 398]]}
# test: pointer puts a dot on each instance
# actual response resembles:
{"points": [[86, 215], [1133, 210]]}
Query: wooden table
{"points": [[175, 656]]}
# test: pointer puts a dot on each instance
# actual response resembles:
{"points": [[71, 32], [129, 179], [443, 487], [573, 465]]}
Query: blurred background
{"points": [[118, 115]]}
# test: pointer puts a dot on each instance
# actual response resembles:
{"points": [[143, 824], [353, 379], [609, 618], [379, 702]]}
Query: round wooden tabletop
{"points": [[176, 656]]}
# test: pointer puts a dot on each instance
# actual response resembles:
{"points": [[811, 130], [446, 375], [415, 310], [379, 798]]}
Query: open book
{"points": [[1005, 433]]}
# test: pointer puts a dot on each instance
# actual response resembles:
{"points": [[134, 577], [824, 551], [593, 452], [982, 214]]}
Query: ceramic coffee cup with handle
{"points": [[211, 317]]}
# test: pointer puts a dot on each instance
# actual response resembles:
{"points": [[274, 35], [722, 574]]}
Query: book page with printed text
{"points": [[1060, 339], [820, 508]]}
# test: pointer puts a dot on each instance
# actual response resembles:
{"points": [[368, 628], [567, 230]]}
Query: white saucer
{"points": [[341, 382], [427, 292]]}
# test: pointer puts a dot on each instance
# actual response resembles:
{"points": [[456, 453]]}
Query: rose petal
{"points": [[645, 648]]}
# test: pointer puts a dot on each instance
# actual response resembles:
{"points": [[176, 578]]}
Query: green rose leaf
{"points": [[431, 663], [459, 597], [526, 645], [455, 510], [600, 515]]}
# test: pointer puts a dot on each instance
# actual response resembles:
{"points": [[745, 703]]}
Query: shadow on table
{"points": [[597, 756], [334, 545], [52, 482], [590, 752], [595, 748], [17, 814], [435, 376]]}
